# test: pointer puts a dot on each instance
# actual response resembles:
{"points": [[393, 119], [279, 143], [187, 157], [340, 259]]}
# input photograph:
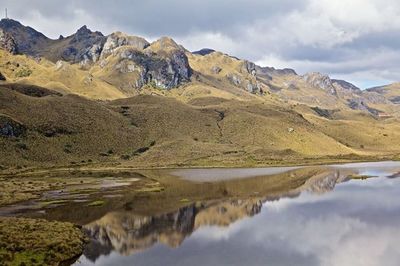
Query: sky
{"points": [[355, 40]]}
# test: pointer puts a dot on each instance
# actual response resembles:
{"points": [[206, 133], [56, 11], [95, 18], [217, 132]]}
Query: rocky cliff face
{"points": [[163, 64], [269, 72], [163, 71], [7, 42], [319, 80], [24, 39], [128, 63], [346, 86], [118, 39], [83, 47], [10, 128]]}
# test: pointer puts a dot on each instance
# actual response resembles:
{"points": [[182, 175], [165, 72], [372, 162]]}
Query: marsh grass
{"points": [[38, 242]]}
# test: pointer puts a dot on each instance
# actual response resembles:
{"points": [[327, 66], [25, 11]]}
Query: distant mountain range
{"points": [[201, 108]]}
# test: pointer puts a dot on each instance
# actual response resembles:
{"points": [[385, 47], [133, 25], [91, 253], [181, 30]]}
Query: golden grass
{"points": [[38, 242]]}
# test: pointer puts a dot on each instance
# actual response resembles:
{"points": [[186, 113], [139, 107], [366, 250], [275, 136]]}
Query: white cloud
{"points": [[354, 39]]}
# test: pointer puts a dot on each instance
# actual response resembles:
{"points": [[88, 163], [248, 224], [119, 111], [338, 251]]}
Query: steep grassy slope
{"points": [[40, 127], [120, 99], [61, 129], [63, 77]]}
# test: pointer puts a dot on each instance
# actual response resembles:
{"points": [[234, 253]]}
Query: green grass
{"points": [[23, 72], [53, 202]]}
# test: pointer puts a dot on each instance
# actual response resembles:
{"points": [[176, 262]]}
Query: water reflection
{"points": [[356, 224]]}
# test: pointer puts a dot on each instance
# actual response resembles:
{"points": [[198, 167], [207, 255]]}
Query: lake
{"points": [[317, 215]]}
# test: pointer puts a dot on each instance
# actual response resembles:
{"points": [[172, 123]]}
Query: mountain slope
{"points": [[119, 99]]}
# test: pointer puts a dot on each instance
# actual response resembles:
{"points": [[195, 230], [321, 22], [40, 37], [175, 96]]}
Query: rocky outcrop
{"points": [[83, 47], [319, 80], [7, 42], [269, 72], [216, 70], [118, 39], [166, 71], [347, 86], [359, 104], [234, 79], [10, 128], [23, 39], [249, 68]]}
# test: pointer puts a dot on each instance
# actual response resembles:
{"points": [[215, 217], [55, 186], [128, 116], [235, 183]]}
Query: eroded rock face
{"points": [[26, 40], [269, 72], [347, 86], [250, 68], [234, 79], [359, 104], [319, 80], [84, 47], [10, 127], [2, 78], [7, 42], [166, 71], [118, 39], [216, 70]]}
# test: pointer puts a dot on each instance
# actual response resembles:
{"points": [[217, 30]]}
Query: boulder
{"points": [[10, 127], [216, 70]]}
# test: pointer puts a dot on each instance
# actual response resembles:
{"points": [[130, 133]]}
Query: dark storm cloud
{"points": [[353, 38]]}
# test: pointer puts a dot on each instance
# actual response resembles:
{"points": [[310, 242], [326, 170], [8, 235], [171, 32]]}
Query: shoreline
{"points": [[107, 166]]}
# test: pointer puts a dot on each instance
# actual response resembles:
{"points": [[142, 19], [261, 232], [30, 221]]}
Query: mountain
{"points": [[89, 98], [390, 92]]}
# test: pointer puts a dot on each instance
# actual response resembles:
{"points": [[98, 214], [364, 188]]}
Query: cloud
{"points": [[355, 225], [355, 39]]}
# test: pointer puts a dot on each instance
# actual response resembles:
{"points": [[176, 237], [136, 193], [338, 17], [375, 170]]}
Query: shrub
{"points": [[23, 72], [21, 146], [125, 157]]}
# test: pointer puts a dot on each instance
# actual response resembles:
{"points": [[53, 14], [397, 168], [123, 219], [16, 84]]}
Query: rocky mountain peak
{"points": [[118, 39], [7, 23], [204, 51], [271, 71], [7, 42], [165, 43], [83, 30], [26, 39], [347, 86], [320, 80]]}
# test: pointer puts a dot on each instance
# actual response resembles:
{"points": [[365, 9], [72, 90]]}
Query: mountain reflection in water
{"points": [[218, 229]]}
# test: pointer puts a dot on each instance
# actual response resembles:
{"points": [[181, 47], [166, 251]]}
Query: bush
{"points": [[24, 72], [21, 146], [125, 157]]}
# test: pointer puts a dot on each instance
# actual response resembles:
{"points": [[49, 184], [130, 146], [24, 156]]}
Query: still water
{"points": [[326, 215]]}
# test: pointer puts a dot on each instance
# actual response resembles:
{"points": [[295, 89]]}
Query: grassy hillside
{"points": [[49, 128], [62, 77]]}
